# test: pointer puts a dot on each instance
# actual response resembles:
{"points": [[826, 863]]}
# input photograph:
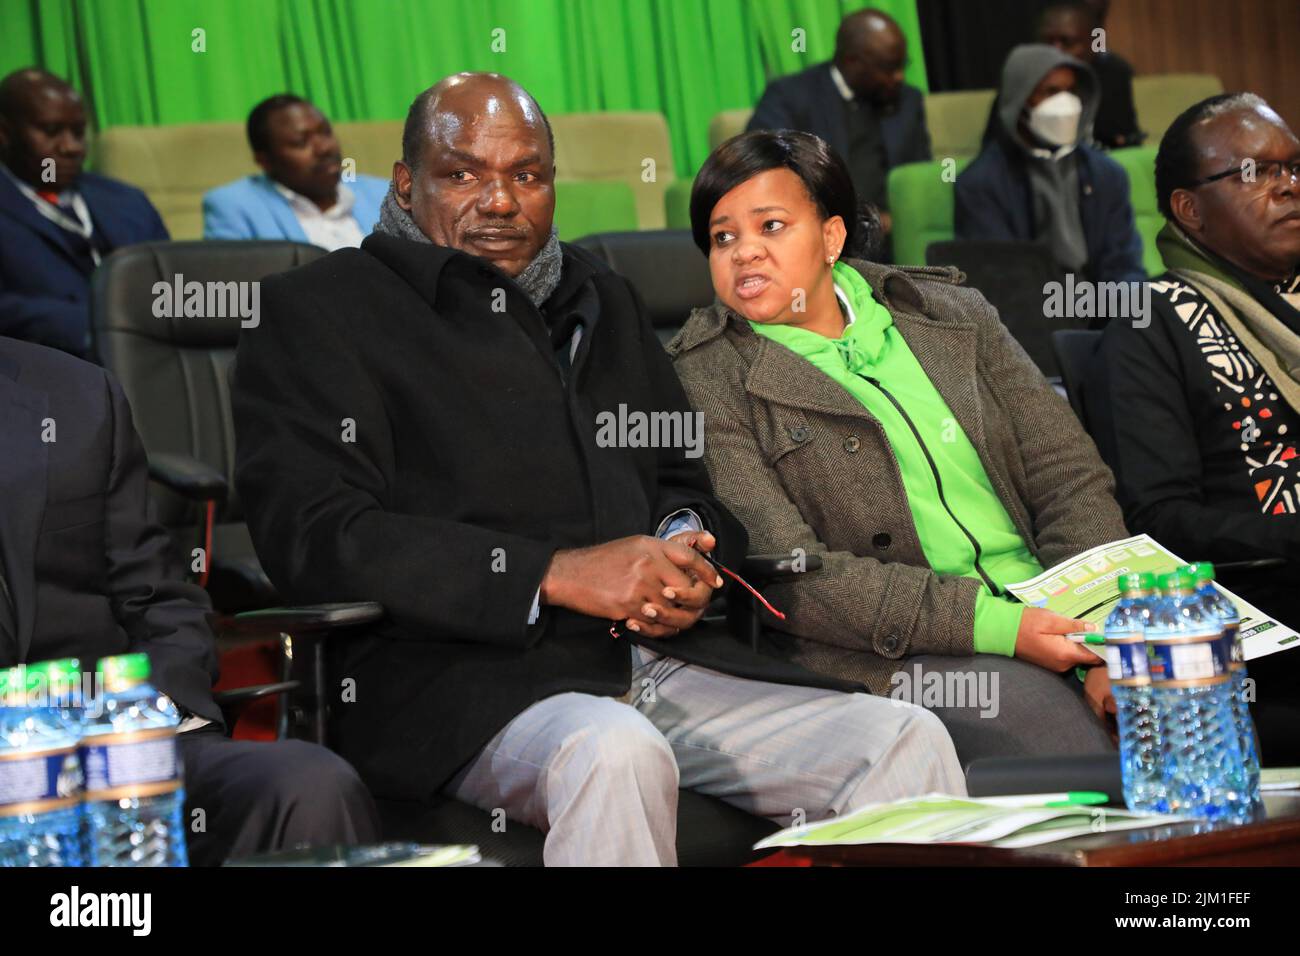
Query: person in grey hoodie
{"points": [[1037, 179]]}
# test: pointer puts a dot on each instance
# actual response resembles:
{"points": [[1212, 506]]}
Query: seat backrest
{"points": [[586, 206], [173, 367], [175, 166], [615, 146], [1160, 97], [664, 266], [921, 204], [956, 121], [727, 124], [1140, 164], [1011, 275], [1074, 350], [374, 145]]}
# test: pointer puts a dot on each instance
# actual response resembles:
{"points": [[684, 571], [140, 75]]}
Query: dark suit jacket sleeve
{"points": [[918, 144], [1139, 406], [979, 209], [684, 482], [776, 108], [318, 504], [161, 614], [1121, 259], [43, 319]]}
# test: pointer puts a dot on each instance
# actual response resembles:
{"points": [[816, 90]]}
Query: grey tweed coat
{"points": [[804, 465]]}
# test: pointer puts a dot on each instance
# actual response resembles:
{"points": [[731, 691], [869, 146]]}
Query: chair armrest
{"points": [[768, 566], [188, 477], [237, 696], [314, 619], [1259, 564]]}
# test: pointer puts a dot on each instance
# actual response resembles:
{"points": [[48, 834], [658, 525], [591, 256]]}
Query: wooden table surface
{"points": [[1272, 841]]}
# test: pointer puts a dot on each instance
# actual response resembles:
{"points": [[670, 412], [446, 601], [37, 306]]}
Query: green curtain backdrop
{"points": [[135, 61]]}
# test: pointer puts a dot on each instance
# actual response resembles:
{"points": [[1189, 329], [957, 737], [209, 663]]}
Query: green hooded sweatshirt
{"points": [[871, 346]]}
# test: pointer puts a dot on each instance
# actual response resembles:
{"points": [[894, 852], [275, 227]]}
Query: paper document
{"points": [[1087, 587], [1006, 822]]}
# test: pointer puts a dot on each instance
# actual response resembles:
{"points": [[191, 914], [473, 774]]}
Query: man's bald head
{"points": [[871, 52], [473, 94], [42, 129], [478, 169]]}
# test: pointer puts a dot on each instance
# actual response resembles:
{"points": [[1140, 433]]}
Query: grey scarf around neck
{"points": [[538, 280]]}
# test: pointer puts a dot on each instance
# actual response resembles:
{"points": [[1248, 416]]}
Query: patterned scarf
{"points": [[538, 280]]}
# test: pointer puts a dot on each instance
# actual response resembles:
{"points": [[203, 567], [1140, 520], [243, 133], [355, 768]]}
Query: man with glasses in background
{"points": [[1196, 406]]}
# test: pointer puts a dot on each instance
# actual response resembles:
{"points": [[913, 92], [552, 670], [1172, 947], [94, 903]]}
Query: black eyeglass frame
{"points": [[1237, 170]]}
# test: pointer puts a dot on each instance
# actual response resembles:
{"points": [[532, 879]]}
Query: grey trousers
{"points": [[600, 776], [996, 706]]}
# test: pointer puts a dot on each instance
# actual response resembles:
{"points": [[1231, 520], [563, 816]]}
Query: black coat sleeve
{"points": [[162, 615], [1140, 407], [315, 457]]}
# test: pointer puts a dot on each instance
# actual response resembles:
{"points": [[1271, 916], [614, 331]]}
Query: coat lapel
{"points": [[19, 207], [23, 464]]}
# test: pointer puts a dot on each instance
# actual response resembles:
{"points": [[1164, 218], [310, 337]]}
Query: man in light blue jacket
{"points": [[299, 195]]}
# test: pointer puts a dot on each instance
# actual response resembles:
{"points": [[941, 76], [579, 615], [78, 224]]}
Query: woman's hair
{"points": [[1178, 157], [823, 173]]}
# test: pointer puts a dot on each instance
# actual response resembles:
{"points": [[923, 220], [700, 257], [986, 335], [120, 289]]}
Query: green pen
{"points": [[1087, 798], [1086, 637]]}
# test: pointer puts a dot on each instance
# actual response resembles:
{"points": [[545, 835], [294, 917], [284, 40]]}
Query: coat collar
{"points": [[18, 207], [23, 464], [944, 346]]}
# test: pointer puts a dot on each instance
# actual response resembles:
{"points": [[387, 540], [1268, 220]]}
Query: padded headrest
{"points": [[188, 294]]}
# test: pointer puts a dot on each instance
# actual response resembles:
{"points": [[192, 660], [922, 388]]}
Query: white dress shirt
{"points": [[335, 228]]}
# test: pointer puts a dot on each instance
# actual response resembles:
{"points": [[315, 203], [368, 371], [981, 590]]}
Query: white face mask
{"points": [[1056, 119]]}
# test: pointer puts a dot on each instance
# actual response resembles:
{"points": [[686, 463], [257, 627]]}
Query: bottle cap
{"points": [[123, 671], [1137, 581], [1177, 581]]}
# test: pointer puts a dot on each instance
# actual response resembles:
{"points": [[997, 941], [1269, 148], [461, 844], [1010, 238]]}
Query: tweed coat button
{"points": [[890, 644], [799, 433], [851, 444], [882, 541]]}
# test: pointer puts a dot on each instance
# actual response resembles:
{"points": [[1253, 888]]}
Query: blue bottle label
{"points": [[40, 782], [1126, 661], [1179, 659], [142, 763]]}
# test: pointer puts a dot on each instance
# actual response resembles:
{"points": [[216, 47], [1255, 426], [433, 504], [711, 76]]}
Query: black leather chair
{"points": [[175, 375], [174, 370], [1074, 350], [669, 273], [1011, 275]]}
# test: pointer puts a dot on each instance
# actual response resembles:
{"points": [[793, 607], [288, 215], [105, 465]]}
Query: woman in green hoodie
{"points": [[883, 419]]}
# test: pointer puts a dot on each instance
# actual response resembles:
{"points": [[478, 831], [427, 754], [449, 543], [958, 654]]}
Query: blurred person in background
{"points": [[57, 222], [299, 195]]}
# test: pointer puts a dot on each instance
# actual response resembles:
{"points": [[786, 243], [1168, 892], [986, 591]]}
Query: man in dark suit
{"points": [[455, 421], [56, 222], [84, 573], [858, 103]]}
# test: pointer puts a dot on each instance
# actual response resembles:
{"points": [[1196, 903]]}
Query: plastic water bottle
{"points": [[1190, 688], [134, 791], [40, 776], [1130, 682], [1230, 622]]}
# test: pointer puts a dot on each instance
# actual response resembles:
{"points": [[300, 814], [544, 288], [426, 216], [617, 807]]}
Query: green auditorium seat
{"points": [[583, 207], [956, 121], [921, 204], [727, 124], [1159, 98], [614, 146], [677, 204], [175, 165], [1140, 164]]}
